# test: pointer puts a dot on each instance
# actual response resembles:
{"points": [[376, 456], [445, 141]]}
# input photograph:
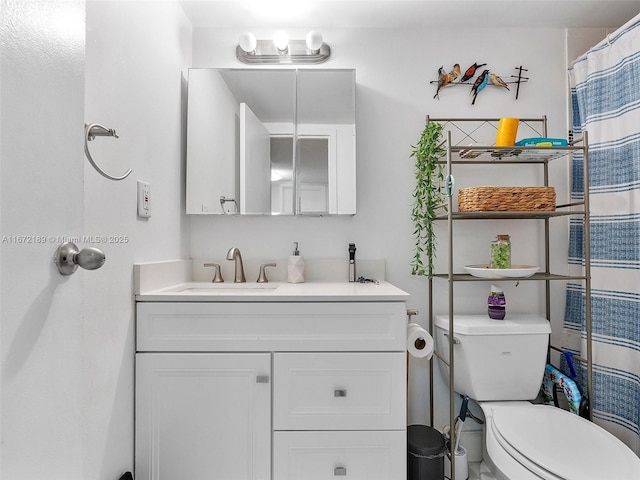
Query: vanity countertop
{"points": [[275, 292]]}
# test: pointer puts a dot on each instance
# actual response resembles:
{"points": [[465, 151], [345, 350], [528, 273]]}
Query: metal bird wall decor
{"points": [[485, 77], [471, 71], [497, 81], [481, 82], [455, 73], [445, 79]]}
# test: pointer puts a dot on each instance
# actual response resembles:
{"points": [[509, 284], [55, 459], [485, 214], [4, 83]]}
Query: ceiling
{"points": [[409, 13]]}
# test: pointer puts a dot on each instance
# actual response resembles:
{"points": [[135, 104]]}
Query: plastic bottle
{"points": [[501, 252], [496, 303], [295, 266]]}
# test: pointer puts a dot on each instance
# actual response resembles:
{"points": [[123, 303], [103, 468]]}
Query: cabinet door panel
{"points": [[339, 391], [203, 416], [369, 455]]}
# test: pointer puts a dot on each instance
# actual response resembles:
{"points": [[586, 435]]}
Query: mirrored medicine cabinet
{"points": [[271, 142]]}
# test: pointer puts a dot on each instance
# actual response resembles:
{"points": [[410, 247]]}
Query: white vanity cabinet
{"points": [[271, 390]]}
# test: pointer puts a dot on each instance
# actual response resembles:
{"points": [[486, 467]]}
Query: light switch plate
{"points": [[144, 199]]}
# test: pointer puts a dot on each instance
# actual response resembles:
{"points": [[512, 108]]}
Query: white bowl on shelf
{"points": [[516, 271]]}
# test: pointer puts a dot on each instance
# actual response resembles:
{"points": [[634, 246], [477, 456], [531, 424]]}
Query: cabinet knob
{"points": [[262, 378], [339, 393], [340, 472]]}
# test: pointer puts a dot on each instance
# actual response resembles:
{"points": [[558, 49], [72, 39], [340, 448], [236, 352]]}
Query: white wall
{"points": [[580, 40], [68, 343], [393, 71], [136, 64]]}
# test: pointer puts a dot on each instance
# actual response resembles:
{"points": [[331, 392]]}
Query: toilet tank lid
{"points": [[515, 324]]}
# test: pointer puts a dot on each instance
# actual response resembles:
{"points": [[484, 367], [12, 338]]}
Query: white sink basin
{"points": [[224, 288]]}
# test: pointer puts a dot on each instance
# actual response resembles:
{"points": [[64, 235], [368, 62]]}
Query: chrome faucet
{"points": [[234, 254]]}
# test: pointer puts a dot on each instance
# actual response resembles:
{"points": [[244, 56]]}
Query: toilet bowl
{"points": [[523, 441], [500, 364]]}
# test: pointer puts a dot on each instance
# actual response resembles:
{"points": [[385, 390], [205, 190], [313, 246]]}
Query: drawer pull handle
{"points": [[339, 393], [262, 379], [340, 472]]}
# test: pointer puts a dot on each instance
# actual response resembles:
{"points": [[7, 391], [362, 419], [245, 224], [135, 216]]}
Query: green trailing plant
{"points": [[429, 196]]}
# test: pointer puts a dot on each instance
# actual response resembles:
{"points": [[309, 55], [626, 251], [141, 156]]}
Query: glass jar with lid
{"points": [[501, 252]]}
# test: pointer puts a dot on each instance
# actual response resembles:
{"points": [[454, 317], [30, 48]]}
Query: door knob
{"points": [[68, 257]]}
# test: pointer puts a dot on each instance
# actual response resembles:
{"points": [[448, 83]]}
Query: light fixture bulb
{"points": [[314, 40], [248, 42], [281, 41]]}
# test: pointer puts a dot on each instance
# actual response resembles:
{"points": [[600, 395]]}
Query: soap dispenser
{"points": [[295, 266]]}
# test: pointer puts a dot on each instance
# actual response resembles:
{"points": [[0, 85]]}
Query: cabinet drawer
{"points": [[339, 391], [372, 455], [304, 326]]}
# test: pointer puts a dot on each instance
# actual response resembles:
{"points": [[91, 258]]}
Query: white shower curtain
{"points": [[605, 90]]}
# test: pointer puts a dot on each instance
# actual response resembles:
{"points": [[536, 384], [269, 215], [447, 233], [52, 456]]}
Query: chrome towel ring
{"points": [[91, 131]]}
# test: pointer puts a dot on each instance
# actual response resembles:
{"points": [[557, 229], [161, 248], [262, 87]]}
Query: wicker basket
{"points": [[505, 199]]}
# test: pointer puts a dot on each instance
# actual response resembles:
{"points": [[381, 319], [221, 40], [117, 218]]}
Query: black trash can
{"points": [[425, 453]]}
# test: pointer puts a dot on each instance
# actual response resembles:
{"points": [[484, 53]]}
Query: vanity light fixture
{"points": [[248, 42], [281, 41], [282, 51], [314, 41]]}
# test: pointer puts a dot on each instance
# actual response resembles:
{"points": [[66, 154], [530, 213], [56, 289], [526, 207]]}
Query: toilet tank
{"points": [[495, 359]]}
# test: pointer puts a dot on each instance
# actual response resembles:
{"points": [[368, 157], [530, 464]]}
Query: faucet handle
{"points": [[262, 278], [217, 277]]}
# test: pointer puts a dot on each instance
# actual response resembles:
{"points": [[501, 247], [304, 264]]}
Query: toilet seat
{"points": [[557, 445], [522, 460]]}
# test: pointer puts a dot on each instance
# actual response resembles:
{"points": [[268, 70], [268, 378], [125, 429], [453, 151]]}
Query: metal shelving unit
{"points": [[468, 130]]}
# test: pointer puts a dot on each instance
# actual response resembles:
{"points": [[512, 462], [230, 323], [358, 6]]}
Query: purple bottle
{"points": [[496, 303]]}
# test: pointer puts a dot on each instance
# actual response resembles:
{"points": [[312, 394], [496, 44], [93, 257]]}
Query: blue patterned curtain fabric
{"points": [[605, 94]]}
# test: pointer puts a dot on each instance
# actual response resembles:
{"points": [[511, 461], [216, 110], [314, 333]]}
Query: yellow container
{"points": [[507, 130]]}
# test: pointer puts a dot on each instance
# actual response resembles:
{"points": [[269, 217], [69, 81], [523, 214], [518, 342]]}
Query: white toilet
{"points": [[500, 364]]}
